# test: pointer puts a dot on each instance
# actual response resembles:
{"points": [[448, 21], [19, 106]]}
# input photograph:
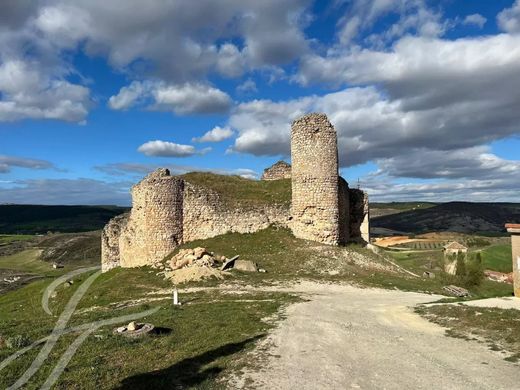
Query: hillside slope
{"points": [[37, 219], [464, 217]]}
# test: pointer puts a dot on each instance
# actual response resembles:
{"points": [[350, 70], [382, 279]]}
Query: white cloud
{"points": [[217, 134], [7, 162], [181, 99], [30, 90], [412, 17], [129, 96], [191, 99], [248, 86], [509, 19], [166, 149], [475, 20]]}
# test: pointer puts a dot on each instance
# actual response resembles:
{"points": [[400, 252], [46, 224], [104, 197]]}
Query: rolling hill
{"points": [[463, 217], [37, 219]]}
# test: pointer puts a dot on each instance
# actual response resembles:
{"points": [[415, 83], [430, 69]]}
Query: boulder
{"points": [[245, 265], [199, 252]]}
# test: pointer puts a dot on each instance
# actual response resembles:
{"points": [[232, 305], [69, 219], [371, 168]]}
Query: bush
{"points": [[17, 342]]}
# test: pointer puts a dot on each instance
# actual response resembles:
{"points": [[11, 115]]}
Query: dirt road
{"points": [[345, 337]]}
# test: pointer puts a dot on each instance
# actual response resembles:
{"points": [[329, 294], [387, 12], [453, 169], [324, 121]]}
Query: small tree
{"points": [[475, 271], [461, 265]]}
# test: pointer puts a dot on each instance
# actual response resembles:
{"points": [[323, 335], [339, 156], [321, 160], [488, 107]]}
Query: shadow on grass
{"points": [[186, 373]]}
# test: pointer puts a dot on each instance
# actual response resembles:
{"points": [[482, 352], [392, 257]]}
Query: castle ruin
{"points": [[168, 210], [278, 171]]}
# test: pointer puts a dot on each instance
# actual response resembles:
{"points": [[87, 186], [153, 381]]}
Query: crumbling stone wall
{"points": [[344, 210], [110, 241], [154, 227], [278, 171], [205, 215], [359, 224], [167, 211], [315, 202]]}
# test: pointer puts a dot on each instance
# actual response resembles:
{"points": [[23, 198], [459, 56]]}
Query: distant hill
{"points": [[35, 219], [463, 217]]}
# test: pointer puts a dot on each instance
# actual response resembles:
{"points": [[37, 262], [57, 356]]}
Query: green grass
{"points": [[202, 339], [497, 327], [498, 258], [235, 190], [9, 238], [26, 261]]}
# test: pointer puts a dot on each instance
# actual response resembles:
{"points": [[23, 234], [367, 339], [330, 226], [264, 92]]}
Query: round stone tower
{"points": [[314, 159], [155, 226]]}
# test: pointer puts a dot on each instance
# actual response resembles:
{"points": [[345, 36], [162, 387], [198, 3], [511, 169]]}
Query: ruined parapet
{"points": [[277, 171], [206, 216], [110, 236], [514, 230], [359, 222], [315, 202], [155, 226]]}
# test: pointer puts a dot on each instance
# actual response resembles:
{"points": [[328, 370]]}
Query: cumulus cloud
{"points": [[475, 20], [191, 99], [509, 19], [217, 134], [469, 163], [412, 17], [168, 41], [181, 99], [30, 90], [8, 162], [372, 126], [166, 149], [174, 35], [67, 192]]}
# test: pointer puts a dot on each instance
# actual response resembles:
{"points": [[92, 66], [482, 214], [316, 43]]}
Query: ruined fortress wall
{"points": [[205, 215], [359, 216], [315, 202], [155, 226], [167, 212], [344, 211], [278, 171], [110, 241]]}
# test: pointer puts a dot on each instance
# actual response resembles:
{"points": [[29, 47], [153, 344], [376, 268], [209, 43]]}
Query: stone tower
{"points": [[315, 189], [155, 225]]}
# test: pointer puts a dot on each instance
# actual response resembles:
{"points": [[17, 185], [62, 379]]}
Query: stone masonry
{"points": [[315, 180], [514, 229], [278, 171], [168, 211]]}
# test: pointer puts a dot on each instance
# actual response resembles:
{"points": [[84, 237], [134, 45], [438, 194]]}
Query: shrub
{"points": [[17, 342]]}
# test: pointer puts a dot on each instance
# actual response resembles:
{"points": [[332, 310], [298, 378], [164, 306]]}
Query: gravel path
{"points": [[345, 337]]}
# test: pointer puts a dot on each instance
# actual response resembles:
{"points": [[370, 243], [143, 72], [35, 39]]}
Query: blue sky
{"points": [[424, 95]]}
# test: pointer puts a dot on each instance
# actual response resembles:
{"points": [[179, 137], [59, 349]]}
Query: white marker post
{"points": [[175, 297]]}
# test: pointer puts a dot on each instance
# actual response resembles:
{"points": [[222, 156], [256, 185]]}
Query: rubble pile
{"points": [[199, 263]]}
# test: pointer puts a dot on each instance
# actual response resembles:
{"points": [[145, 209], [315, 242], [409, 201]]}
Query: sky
{"points": [[424, 95]]}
